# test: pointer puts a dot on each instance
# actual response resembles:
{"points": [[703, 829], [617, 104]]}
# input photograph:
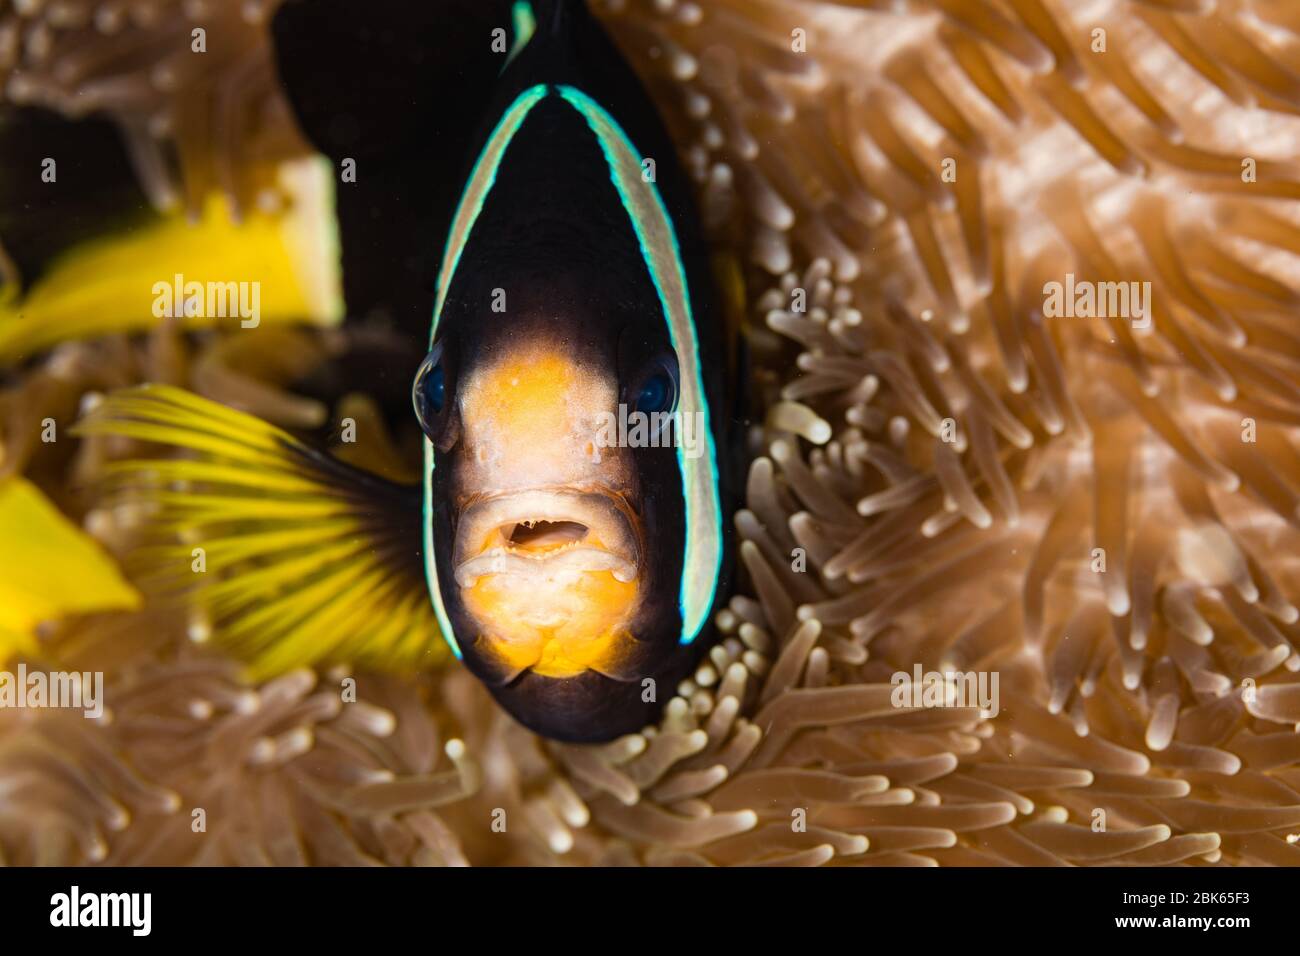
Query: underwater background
{"points": [[942, 475]]}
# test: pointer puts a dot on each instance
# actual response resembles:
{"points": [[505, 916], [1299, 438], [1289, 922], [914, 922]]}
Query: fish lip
{"points": [[606, 515]]}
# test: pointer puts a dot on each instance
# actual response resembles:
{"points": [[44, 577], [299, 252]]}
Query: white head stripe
{"points": [[702, 561]]}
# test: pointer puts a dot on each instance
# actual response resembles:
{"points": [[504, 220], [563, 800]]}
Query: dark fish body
{"points": [[575, 258]]}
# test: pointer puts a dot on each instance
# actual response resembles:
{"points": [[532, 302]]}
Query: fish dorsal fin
{"points": [[290, 557]]}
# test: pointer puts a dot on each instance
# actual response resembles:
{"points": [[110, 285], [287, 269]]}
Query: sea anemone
{"points": [[190, 82], [947, 475]]}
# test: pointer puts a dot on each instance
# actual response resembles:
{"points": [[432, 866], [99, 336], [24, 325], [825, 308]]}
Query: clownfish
{"points": [[570, 537]]}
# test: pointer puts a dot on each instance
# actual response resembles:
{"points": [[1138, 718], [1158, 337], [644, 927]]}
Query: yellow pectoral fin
{"points": [[49, 568], [304, 560], [271, 267]]}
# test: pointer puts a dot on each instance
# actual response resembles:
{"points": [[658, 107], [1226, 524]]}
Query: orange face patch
{"points": [[534, 412], [523, 397]]}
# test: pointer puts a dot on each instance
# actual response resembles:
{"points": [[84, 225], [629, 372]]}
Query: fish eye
{"points": [[656, 389], [429, 393]]}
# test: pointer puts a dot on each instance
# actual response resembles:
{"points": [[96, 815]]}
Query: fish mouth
{"points": [[547, 534]]}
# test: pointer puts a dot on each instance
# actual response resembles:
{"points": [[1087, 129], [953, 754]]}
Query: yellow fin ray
{"points": [[185, 470], [332, 563], [340, 615], [305, 560], [224, 550]]}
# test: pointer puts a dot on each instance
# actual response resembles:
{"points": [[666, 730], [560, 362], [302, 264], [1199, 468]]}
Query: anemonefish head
{"points": [[573, 523], [552, 545]]}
